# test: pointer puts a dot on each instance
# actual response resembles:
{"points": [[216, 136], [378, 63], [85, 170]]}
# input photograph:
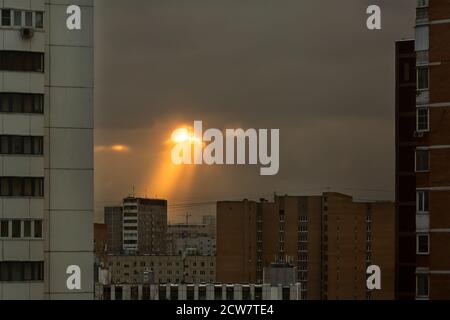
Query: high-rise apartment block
{"points": [[330, 239], [144, 226], [46, 154], [423, 156]]}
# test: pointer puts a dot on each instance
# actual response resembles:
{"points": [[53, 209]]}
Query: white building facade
{"points": [[46, 156]]}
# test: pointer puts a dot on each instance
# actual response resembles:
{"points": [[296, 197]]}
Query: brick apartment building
{"points": [[423, 156], [331, 239]]}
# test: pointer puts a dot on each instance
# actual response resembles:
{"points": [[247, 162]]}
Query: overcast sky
{"points": [[309, 68]]}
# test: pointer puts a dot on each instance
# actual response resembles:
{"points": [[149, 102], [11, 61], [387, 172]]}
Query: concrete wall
{"points": [[69, 150]]}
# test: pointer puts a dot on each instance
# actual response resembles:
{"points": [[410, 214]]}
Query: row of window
{"points": [[21, 271], [21, 187], [21, 61], [28, 145], [20, 19], [21, 103], [21, 229]]}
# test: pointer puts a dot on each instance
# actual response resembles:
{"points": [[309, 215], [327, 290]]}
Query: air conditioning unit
{"points": [[419, 134], [27, 33]]}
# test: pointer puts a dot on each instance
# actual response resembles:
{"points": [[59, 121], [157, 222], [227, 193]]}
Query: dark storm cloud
{"points": [[310, 68]]}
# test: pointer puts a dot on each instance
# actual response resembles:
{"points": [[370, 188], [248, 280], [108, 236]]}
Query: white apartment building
{"points": [[46, 154]]}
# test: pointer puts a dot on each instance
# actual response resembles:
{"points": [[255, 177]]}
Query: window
{"points": [[38, 229], [21, 229], [423, 201], [4, 229], [281, 215], [422, 41], [422, 78], [39, 20], [17, 18], [28, 19], [6, 17], [21, 61], [27, 229], [21, 271], [21, 187], [423, 119], [423, 286], [423, 244], [21, 103], [422, 160], [16, 229]]}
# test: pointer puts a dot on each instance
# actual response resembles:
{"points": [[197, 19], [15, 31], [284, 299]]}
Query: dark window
{"points": [[4, 229], [286, 292], [422, 285], [21, 103], [21, 145], [118, 293], [6, 17], [422, 244], [38, 229], [39, 20], [21, 61], [230, 293], [422, 160], [27, 229], [190, 293], [422, 78], [202, 293], [16, 228], [20, 187]]}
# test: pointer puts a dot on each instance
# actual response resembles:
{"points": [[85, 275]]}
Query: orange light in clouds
{"points": [[166, 176], [114, 148], [182, 135], [119, 148]]}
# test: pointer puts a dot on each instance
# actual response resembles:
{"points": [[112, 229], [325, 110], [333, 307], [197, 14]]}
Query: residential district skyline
{"points": [[311, 69]]}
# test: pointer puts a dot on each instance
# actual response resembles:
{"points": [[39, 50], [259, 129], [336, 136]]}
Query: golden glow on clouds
{"points": [[184, 134], [167, 178], [117, 148]]}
